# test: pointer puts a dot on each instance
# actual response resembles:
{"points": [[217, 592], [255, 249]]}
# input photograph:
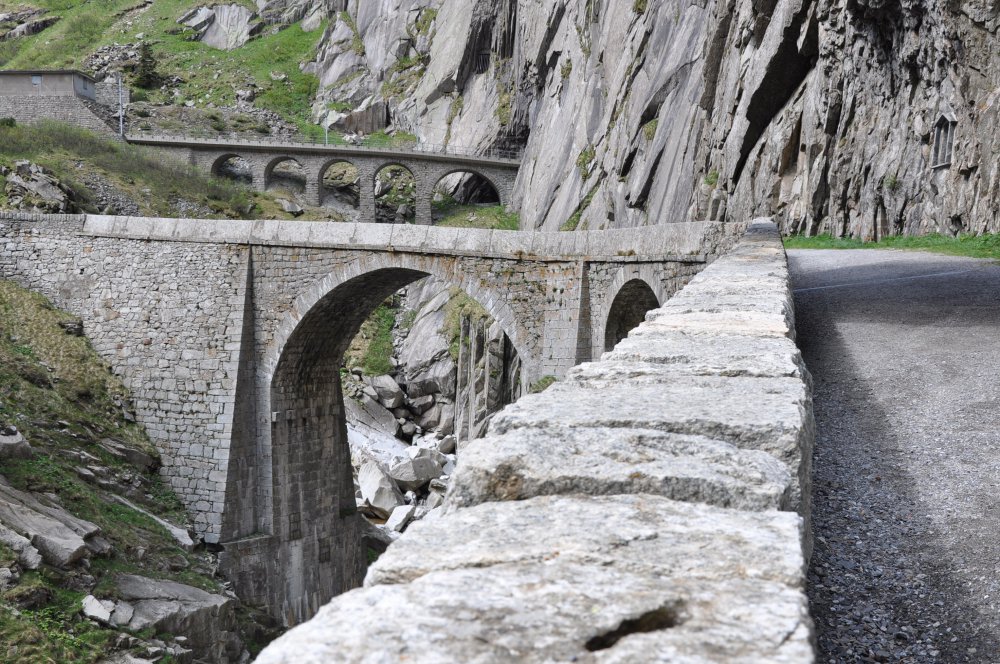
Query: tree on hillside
{"points": [[145, 72]]}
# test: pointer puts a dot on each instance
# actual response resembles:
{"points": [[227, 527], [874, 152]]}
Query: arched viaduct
{"points": [[230, 336], [427, 168]]}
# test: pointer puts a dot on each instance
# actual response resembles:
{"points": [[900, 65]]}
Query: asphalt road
{"points": [[904, 348]]}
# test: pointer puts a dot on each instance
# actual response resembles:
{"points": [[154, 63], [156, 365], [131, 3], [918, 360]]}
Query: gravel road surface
{"points": [[904, 348]]}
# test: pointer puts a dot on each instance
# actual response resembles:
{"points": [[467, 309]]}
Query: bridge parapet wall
{"points": [[651, 507]]}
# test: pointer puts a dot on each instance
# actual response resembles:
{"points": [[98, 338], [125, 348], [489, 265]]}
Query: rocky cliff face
{"points": [[865, 117]]}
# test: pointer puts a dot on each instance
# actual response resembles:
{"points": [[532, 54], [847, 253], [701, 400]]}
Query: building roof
{"points": [[39, 72]]}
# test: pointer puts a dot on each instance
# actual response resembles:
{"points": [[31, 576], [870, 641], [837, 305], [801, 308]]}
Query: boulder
{"points": [[388, 391], [291, 208], [378, 490], [206, 619], [27, 555], [422, 466], [421, 405], [225, 27], [13, 445], [136, 457], [54, 532], [97, 609], [400, 517]]}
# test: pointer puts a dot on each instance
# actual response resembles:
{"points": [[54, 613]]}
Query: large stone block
{"points": [[606, 461], [588, 580]]}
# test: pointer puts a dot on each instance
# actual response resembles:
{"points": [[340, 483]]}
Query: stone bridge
{"points": [[230, 336], [428, 168]]}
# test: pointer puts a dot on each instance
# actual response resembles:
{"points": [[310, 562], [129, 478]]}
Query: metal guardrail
{"points": [[498, 154]]}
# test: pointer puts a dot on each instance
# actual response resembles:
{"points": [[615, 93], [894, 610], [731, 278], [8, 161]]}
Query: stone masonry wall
{"points": [[167, 317], [28, 110], [653, 506]]}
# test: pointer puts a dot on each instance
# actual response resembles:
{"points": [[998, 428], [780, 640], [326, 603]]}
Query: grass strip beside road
{"points": [[973, 246]]}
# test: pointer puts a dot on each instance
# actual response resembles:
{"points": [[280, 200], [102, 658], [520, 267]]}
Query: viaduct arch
{"points": [[428, 168]]}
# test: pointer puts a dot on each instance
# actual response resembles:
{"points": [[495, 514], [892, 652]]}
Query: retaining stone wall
{"points": [[72, 110], [653, 506]]}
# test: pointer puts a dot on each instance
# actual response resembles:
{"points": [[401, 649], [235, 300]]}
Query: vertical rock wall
{"points": [[820, 112]]}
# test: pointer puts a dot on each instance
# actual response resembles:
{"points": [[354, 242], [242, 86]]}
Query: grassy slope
{"points": [[61, 396], [209, 75], [975, 246]]}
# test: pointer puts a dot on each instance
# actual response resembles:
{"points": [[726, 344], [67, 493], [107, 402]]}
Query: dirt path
{"points": [[905, 353]]}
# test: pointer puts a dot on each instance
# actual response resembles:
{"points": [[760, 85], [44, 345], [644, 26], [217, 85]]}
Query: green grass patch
{"points": [[451, 214], [541, 384], [459, 307], [973, 246], [649, 129], [372, 347], [585, 159]]}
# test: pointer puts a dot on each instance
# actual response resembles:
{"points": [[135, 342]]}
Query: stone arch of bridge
{"points": [[326, 165], [305, 499], [466, 170], [220, 161], [633, 291], [277, 161]]}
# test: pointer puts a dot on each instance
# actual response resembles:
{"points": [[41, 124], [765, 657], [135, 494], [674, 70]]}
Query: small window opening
{"points": [[944, 139], [36, 80]]}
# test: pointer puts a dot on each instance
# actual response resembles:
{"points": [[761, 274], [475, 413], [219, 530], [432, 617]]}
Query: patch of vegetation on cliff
{"points": [[459, 307], [66, 402], [372, 345], [973, 246], [573, 222], [152, 181]]}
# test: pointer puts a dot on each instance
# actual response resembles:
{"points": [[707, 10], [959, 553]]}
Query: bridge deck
{"points": [[496, 158]]}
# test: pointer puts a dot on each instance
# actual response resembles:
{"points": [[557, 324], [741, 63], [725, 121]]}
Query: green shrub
{"points": [[640, 6], [8, 122]]}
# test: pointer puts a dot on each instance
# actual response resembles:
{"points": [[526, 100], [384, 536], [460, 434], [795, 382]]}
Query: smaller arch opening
{"points": [[340, 186], [233, 167], [468, 199], [628, 310], [395, 195], [286, 175]]}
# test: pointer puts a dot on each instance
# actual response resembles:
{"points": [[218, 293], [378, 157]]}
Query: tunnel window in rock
{"points": [[467, 199], [395, 195], [628, 310], [944, 139], [286, 176], [340, 187], [364, 401], [233, 167]]}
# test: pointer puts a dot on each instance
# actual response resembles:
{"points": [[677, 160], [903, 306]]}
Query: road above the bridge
{"points": [[904, 349]]}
